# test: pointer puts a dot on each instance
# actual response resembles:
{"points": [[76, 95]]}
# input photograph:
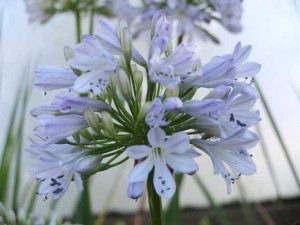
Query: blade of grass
{"points": [[8, 148], [18, 145], [278, 134], [268, 161], [247, 210], [217, 210]]}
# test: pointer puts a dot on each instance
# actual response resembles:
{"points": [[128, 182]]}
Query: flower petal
{"points": [[140, 171], [136, 189], [156, 137], [163, 180], [138, 151], [177, 143], [182, 163]]}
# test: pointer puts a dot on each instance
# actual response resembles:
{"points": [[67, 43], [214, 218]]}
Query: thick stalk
{"points": [[154, 200]]}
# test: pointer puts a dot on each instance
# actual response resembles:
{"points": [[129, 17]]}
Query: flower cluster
{"points": [[191, 17], [145, 110]]}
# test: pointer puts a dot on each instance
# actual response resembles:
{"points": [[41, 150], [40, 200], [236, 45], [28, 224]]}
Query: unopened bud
{"points": [[172, 92], [124, 85], [125, 38], [92, 119], [69, 53], [108, 124], [88, 164]]}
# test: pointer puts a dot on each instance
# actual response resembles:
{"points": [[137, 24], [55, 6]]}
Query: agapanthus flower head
{"points": [[192, 18], [159, 126]]}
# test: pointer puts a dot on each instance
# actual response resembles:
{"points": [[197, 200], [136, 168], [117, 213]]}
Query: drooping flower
{"points": [[232, 151], [162, 154], [54, 166]]}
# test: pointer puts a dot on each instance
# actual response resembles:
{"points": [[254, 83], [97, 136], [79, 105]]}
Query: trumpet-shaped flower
{"points": [[233, 152], [51, 78], [162, 154], [69, 104], [52, 129], [225, 70]]}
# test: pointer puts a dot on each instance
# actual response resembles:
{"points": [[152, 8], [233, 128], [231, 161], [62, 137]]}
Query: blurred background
{"points": [[272, 27]]}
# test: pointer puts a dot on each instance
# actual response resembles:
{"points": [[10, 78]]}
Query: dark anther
{"points": [[163, 182], [231, 117], [61, 176], [241, 124], [58, 190]]}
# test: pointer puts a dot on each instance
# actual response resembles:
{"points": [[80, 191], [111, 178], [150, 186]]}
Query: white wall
{"points": [[271, 26]]}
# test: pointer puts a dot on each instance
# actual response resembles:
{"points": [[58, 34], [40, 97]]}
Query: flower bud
{"points": [[88, 164], [108, 124], [124, 85], [172, 92], [138, 79], [92, 119], [69, 53], [125, 38]]}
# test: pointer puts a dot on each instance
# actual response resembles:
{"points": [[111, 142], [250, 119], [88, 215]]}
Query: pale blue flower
{"points": [[173, 152], [181, 63], [226, 70], [96, 63], [236, 115], [67, 103], [52, 129], [54, 166], [50, 78], [233, 152]]}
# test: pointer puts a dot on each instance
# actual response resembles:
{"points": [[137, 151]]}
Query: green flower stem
{"points": [[155, 206], [91, 26], [78, 25]]}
